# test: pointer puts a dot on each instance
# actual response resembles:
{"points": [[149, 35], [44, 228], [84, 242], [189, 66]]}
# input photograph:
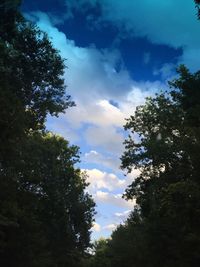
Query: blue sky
{"points": [[118, 53]]}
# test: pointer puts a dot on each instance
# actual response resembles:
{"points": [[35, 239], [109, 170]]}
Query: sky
{"points": [[117, 54]]}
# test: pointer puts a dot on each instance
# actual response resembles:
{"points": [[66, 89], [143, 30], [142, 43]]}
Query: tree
{"points": [[45, 213], [31, 77], [54, 213], [164, 145], [167, 154], [101, 257]]}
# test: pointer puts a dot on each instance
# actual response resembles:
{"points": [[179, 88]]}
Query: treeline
{"points": [[164, 228], [45, 213]]}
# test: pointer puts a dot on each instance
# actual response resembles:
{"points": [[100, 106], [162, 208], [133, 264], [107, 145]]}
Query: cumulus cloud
{"points": [[180, 31], [98, 112], [95, 82], [104, 180], [108, 138], [91, 71], [60, 127], [113, 199], [104, 96], [174, 32], [92, 81], [102, 160]]}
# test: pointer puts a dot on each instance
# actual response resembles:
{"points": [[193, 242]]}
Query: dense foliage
{"points": [[45, 214], [164, 145]]}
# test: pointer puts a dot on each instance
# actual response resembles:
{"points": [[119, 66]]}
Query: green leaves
{"points": [[167, 190], [31, 72], [45, 213]]}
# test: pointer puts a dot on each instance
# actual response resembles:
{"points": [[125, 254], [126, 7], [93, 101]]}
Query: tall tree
{"points": [[167, 155], [31, 76], [45, 214], [164, 145]]}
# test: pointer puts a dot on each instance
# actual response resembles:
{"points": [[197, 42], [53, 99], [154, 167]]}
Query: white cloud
{"points": [[96, 227], [102, 160], [93, 81], [180, 27], [110, 227], [91, 71], [113, 199], [122, 214], [180, 31], [174, 31], [60, 127], [107, 138], [98, 112], [103, 180]]}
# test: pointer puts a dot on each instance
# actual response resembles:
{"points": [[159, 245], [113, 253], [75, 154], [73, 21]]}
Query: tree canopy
{"points": [[45, 212], [164, 145]]}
